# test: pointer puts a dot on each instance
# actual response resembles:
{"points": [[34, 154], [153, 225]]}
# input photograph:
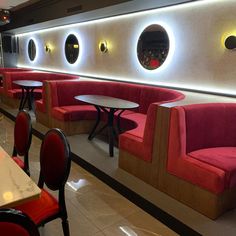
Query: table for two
{"points": [[109, 105], [27, 92]]}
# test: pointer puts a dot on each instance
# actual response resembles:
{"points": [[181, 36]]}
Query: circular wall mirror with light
{"points": [[31, 49], [71, 48], [153, 47]]}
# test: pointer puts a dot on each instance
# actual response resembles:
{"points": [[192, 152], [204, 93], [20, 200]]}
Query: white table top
{"points": [[16, 186]]}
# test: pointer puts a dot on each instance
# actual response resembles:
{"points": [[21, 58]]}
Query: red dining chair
{"points": [[55, 164], [22, 139], [16, 223]]}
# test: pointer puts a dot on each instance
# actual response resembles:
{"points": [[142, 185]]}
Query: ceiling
{"points": [[15, 4]]}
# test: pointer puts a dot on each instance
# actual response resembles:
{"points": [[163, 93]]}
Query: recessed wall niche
{"points": [[71, 48], [153, 47], [31, 49]]}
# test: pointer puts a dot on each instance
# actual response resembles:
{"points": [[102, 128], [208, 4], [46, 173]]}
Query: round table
{"points": [[109, 105], [27, 92]]}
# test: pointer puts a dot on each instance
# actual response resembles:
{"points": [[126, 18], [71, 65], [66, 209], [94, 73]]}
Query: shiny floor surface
{"points": [[94, 209]]}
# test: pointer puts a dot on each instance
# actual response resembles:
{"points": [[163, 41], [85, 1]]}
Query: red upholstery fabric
{"points": [[139, 141], [11, 229], [40, 106], [223, 158], [195, 128], [140, 120], [151, 94], [74, 113], [19, 162], [21, 133], [214, 125], [12, 90], [52, 161], [42, 208]]}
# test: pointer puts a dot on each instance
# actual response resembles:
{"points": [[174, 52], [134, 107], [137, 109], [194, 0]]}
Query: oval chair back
{"points": [[55, 163], [16, 223], [22, 139]]}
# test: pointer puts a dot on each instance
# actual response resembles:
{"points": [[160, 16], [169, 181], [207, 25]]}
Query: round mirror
{"points": [[72, 48], [153, 47], [31, 49]]}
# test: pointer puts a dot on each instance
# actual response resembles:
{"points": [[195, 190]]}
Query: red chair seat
{"points": [[223, 158], [19, 162], [42, 208]]}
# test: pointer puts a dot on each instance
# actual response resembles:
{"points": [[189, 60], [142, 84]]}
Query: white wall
{"points": [[197, 59]]}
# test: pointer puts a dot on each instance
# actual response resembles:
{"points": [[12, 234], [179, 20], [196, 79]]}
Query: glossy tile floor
{"points": [[94, 209]]}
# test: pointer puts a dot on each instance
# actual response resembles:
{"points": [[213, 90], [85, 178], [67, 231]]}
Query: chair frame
{"points": [[26, 155], [61, 190], [9, 215]]}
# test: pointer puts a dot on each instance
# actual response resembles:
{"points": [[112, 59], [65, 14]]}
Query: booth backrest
{"points": [[64, 92], [210, 125], [32, 75]]}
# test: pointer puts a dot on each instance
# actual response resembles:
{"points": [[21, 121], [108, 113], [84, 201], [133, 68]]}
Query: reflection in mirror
{"points": [[72, 48], [31, 49], [153, 47]]}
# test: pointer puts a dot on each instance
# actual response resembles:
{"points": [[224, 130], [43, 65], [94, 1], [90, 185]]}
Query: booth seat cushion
{"points": [[223, 158], [16, 93], [140, 121], [74, 113], [133, 140]]}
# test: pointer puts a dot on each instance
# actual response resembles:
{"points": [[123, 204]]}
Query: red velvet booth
{"points": [[12, 92], [2, 70], [137, 142], [202, 157]]}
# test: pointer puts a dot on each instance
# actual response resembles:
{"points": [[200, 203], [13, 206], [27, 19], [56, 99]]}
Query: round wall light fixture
{"points": [[230, 42], [103, 47], [48, 48]]}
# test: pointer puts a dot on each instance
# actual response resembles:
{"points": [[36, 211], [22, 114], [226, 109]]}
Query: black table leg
{"points": [[111, 131], [22, 99], [92, 133], [31, 99], [118, 121]]}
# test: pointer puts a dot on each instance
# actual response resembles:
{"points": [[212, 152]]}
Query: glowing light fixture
{"points": [[103, 46], [48, 48], [230, 42]]}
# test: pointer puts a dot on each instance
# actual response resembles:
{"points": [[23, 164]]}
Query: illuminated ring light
{"points": [[153, 47], [71, 48], [32, 50]]}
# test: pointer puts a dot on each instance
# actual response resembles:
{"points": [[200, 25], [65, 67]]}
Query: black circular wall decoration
{"points": [[153, 47], [72, 48], [31, 49]]}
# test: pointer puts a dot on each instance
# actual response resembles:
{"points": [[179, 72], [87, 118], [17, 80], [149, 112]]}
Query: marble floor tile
{"points": [[138, 224], [94, 209]]}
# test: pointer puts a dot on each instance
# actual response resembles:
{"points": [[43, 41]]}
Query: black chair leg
{"points": [[65, 226]]}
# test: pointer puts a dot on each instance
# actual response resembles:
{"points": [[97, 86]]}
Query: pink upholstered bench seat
{"points": [[75, 112], [138, 124], [202, 145], [11, 91], [16, 93], [222, 158]]}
